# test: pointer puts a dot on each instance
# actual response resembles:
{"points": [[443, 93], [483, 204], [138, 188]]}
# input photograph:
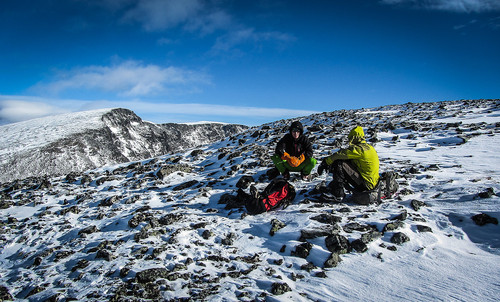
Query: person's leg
{"points": [[345, 173], [307, 166], [352, 176], [279, 163]]}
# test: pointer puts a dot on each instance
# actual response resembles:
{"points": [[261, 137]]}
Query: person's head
{"points": [[356, 136], [296, 129]]}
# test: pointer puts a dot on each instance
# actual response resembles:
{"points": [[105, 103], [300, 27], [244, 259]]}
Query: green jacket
{"points": [[362, 154]]}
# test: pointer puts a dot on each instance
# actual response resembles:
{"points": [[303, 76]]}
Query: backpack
{"points": [[279, 193], [388, 185]]}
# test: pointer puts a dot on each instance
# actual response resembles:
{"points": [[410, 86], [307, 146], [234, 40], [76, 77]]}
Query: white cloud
{"points": [[214, 110], [130, 79], [460, 6], [14, 110]]}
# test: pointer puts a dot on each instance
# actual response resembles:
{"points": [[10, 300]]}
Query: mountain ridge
{"points": [[112, 136]]}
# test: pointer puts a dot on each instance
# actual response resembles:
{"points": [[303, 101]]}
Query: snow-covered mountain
{"points": [[171, 228], [88, 140]]}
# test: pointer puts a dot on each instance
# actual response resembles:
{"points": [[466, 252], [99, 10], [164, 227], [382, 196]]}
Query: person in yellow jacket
{"points": [[355, 167]]}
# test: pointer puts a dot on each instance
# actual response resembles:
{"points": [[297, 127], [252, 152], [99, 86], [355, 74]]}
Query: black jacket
{"points": [[295, 147]]}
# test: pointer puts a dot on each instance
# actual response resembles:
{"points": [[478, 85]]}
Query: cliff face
{"points": [[116, 136]]}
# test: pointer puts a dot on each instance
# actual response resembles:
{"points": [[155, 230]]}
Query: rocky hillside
{"points": [[87, 140], [173, 228]]}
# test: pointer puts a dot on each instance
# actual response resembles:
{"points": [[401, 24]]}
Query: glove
{"points": [[286, 156], [296, 161]]}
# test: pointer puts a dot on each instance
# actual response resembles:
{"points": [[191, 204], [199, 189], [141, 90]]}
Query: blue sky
{"points": [[248, 61]]}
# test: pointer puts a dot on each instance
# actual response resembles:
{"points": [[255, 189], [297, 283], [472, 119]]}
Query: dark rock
{"points": [[302, 250], [227, 198], [370, 236], [5, 295], [151, 275], [280, 288], [337, 244], [332, 261], [109, 201], [62, 254], [185, 185], [272, 173], [482, 219], [393, 226], [327, 218], [325, 231], [417, 204], [401, 216], [355, 226], [487, 194], [244, 182], [359, 246], [35, 290], [423, 228], [137, 219], [89, 230], [104, 254], [276, 225], [170, 219], [81, 265], [72, 209], [400, 238]]}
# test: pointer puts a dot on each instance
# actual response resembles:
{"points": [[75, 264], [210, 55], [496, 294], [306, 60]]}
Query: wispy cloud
{"points": [[194, 15], [16, 110], [19, 108], [130, 78], [202, 17], [459, 6], [249, 35]]}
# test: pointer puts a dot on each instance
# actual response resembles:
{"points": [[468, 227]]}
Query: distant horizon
{"points": [[217, 122]]}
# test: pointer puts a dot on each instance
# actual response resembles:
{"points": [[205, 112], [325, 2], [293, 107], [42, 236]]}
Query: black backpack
{"points": [[279, 193], [386, 188], [388, 185]]}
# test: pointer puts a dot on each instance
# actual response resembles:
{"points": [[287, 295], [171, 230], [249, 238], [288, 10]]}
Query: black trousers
{"points": [[346, 175]]}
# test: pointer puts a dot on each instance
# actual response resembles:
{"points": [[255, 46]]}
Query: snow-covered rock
{"points": [[161, 229]]}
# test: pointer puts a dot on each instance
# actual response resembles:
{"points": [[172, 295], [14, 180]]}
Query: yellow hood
{"points": [[356, 136]]}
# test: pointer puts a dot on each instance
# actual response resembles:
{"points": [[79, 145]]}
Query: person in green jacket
{"points": [[355, 167]]}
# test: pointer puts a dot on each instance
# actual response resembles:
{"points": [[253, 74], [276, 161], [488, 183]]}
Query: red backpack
{"points": [[279, 193]]}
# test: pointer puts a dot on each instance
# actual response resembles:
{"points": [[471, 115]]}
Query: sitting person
{"points": [[355, 168], [294, 153]]}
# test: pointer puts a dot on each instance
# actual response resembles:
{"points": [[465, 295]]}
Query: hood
{"points": [[356, 136], [297, 125]]}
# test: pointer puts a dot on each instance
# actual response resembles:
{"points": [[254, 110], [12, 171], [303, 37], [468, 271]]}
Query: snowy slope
{"points": [[157, 230]]}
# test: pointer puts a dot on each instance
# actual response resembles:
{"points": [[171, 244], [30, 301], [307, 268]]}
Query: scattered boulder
{"points": [[5, 295], [483, 219], [151, 275], [280, 288], [487, 194], [332, 261], [338, 244], [276, 225], [302, 250], [399, 238], [417, 204], [185, 185]]}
